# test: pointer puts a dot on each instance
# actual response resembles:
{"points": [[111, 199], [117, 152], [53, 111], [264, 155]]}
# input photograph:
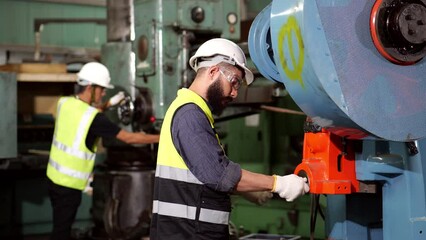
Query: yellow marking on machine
{"points": [[286, 32]]}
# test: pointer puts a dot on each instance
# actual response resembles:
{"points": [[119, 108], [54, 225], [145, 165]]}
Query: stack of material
{"points": [[40, 72], [35, 68]]}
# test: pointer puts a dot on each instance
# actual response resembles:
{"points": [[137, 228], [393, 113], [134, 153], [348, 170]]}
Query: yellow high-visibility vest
{"points": [[183, 206], [70, 161], [167, 153]]}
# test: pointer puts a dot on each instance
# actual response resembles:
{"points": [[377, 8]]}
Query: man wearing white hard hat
{"points": [[78, 126], [194, 177]]}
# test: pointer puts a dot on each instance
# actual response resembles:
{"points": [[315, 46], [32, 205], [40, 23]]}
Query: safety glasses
{"points": [[235, 81]]}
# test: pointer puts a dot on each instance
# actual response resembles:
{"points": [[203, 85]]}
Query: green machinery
{"points": [[8, 124], [151, 48], [166, 33]]}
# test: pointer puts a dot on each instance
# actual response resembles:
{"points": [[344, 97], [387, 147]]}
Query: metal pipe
{"points": [[281, 110], [101, 3]]}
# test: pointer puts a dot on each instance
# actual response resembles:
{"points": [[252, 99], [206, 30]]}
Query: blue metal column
{"points": [[403, 189]]}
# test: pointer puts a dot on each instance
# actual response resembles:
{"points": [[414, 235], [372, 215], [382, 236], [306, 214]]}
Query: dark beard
{"points": [[216, 98]]}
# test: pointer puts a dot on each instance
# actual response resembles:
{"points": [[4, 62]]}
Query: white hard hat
{"points": [[94, 73], [218, 50]]}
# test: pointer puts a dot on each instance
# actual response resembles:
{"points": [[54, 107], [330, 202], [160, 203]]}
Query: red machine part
{"points": [[329, 163]]}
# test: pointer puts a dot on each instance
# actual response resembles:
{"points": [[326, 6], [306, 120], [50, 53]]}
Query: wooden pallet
{"points": [[35, 68]]}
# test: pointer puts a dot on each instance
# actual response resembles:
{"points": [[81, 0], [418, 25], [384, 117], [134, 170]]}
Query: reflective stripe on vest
{"points": [[184, 211], [183, 175], [189, 212], [73, 151], [68, 171], [70, 161]]}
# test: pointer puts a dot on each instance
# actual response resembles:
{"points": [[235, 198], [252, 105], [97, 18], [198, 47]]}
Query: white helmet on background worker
{"points": [[219, 50], [94, 73]]}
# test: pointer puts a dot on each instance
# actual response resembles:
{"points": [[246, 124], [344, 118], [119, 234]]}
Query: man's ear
{"points": [[212, 71]]}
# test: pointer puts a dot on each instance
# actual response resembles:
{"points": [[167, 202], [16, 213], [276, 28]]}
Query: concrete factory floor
{"points": [[46, 237]]}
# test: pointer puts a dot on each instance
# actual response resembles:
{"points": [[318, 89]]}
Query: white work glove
{"points": [[258, 198], [116, 99], [290, 186]]}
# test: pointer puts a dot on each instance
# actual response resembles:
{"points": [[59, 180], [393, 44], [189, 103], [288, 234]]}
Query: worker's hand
{"points": [[290, 186], [258, 198], [116, 99], [89, 189]]}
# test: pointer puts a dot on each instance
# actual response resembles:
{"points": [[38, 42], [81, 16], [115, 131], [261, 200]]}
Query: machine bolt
{"points": [[197, 14]]}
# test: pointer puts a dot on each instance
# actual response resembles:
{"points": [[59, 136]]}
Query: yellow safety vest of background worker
{"points": [[79, 124]]}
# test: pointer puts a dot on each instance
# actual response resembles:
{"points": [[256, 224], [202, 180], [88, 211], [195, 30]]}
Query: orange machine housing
{"points": [[329, 163]]}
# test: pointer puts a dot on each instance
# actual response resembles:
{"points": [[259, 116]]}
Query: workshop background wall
{"points": [[17, 24], [24, 205]]}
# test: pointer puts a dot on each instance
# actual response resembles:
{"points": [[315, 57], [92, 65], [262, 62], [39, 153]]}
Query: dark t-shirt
{"points": [[101, 127]]}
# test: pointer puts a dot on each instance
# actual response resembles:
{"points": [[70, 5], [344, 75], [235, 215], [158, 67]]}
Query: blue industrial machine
{"points": [[356, 69]]}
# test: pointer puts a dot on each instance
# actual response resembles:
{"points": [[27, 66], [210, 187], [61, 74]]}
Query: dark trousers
{"points": [[65, 202]]}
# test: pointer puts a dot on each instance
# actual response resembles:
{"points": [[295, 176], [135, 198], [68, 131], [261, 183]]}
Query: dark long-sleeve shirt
{"points": [[196, 142]]}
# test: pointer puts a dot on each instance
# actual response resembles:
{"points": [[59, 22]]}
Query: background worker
{"points": [[78, 126], [194, 177]]}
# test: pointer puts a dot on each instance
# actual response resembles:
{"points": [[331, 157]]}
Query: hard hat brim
{"points": [[109, 86], [248, 75], [83, 82]]}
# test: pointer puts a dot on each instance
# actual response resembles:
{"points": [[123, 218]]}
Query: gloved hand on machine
{"points": [[290, 186], [116, 99]]}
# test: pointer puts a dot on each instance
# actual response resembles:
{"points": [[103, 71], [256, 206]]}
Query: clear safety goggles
{"points": [[232, 78]]}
